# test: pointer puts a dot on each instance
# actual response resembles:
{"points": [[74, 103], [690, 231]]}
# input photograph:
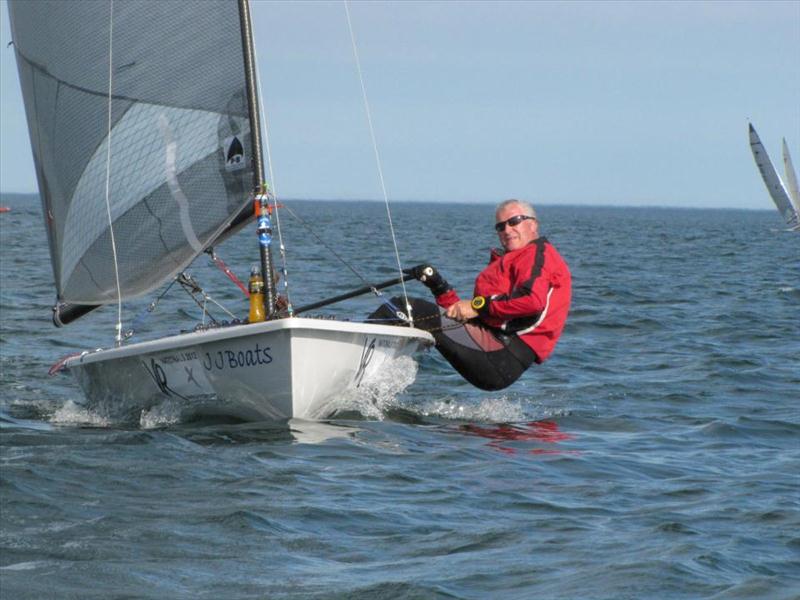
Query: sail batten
{"points": [[179, 105]]}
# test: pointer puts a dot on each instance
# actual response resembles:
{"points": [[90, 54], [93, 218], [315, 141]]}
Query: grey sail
{"points": [[773, 181], [142, 104]]}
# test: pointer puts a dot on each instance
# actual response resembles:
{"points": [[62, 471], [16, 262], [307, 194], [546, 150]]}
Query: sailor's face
{"points": [[513, 235]]}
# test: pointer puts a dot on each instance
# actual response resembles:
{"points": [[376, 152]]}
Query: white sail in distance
{"points": [[790, 177], [777, 190]]}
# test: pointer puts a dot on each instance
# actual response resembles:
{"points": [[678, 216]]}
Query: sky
{"points": [[597, 103]]}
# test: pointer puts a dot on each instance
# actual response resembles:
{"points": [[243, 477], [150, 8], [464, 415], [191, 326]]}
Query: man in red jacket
{"points": [[518, 307]]}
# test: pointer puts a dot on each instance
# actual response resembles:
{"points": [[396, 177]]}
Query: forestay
{"points": [[179, 167]]}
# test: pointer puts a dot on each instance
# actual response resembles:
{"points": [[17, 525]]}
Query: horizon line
{"points": [[600, 204]]}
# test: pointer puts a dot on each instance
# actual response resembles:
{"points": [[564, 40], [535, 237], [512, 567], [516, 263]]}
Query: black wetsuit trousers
{"points": [[486, 357]]}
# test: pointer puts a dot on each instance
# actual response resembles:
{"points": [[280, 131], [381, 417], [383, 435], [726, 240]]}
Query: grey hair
{"points": [[527, 207]]}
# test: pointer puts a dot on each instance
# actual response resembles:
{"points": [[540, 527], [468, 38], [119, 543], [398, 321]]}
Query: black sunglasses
{"points": [[513, 221]]}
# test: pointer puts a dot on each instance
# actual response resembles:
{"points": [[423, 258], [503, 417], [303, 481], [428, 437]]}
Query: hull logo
{"points": [[156, 371], [366, 356]]}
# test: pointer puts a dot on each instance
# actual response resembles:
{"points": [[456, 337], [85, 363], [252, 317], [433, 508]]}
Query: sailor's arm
{"points": [[527, 297], [461, 310], [433, 280], [505, 308]]}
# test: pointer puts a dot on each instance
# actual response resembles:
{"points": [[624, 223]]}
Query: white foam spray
{"points": [[378, 392], [72, 413]]}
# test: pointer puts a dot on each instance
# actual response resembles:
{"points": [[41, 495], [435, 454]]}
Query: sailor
{"points": [[518, 307]]}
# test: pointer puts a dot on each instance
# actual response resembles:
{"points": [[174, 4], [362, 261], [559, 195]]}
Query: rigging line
{"points": [[186, 282], [330, 249], [108, 170], [274, 194], [140, 318], [220, 306], [377, 158]]}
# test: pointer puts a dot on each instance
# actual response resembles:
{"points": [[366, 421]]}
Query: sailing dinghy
{"points": [[784, 194], [144, 123]]}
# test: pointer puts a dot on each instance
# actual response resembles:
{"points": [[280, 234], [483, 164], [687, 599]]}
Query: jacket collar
{"points": [[498, 253]]}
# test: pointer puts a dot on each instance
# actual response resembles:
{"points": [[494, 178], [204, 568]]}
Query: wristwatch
{"points": [[478, 302]]}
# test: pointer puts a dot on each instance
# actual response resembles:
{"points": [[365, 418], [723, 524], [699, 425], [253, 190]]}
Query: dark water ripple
{"points": [[655, 456]]}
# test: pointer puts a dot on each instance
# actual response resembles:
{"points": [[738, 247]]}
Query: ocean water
{"points": [[655, 455]]}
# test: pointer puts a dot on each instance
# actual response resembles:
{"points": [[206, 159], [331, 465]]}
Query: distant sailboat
{"points": [[785, 196]]}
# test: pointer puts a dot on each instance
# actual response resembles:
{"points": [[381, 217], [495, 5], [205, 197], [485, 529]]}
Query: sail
{"points": [[138, 114], [791, 178], [773, 181]]}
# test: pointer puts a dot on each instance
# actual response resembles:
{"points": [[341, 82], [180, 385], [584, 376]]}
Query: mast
{"points": [[262, 201]]}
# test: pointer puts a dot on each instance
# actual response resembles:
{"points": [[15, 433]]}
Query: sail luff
{"points": [[772, 180], [252, 92]]}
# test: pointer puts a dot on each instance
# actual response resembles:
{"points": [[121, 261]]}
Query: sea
{"points": [[655, 455]]}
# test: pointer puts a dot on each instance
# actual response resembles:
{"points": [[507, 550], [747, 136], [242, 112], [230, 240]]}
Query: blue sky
{"points": [[621, 103]]}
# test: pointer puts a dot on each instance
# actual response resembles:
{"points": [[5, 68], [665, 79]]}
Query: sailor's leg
{"points": [[482, 357]]}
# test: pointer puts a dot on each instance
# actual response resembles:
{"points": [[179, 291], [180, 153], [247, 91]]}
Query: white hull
{"points": [[288, 368]]}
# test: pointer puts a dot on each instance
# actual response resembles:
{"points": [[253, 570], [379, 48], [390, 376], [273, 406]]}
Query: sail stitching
{"points": [[79, 88]]}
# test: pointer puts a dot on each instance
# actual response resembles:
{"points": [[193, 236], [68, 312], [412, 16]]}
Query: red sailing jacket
{"points": [[528, 292]]}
